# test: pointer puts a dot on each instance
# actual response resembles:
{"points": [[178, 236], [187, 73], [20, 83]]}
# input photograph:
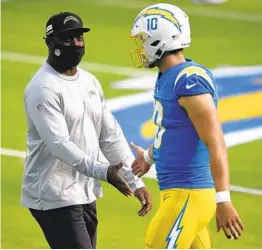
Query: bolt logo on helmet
{"points": [[162, 13], [158, 29]]}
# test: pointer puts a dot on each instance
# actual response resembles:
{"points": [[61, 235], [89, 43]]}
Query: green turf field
{"points": [[119, 225], [215, 41]]}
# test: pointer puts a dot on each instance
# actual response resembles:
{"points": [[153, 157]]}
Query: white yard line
{"points": [[13, 153], [245, 190], [90, 66], [226, 71], [224, 14], [232, 139], [243, 136], [123, 102]]}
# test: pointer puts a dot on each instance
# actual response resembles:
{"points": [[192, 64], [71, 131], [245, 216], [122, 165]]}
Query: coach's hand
{"points": [[229, 220], [117, 181], [139, 166], [144, 197]]}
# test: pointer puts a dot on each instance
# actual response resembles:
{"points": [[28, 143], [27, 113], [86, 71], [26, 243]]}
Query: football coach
{"points": [[68, 126]]}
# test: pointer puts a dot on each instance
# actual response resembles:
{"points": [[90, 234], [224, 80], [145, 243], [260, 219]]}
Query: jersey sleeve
{"points": [[195, 84], [43, 107]]}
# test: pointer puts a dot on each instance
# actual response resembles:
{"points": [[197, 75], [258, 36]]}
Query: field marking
{"points": [[195, 11], [13, 153], [132, 100], [245, 190], [243, 136], [91, 66], [224, 14], [226, 71], [232, 139]]}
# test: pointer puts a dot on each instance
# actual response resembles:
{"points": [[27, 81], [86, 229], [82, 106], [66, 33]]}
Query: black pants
{"points": [[71, 227]]}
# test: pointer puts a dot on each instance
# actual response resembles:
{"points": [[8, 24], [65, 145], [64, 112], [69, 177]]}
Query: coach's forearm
{"points": [[116, 149], [219, 165], [68, 152]]}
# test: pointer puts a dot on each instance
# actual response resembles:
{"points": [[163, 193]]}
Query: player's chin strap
{"points": [[147, 158], [223, 196]]}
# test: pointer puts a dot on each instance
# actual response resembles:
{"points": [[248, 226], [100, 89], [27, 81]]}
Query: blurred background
{"points": [[225, 37]]}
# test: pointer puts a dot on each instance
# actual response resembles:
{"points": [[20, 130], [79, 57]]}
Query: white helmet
{"points": [[159, 28]]}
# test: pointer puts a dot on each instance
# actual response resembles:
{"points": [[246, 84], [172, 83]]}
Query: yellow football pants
{"points": [[182, 219]]}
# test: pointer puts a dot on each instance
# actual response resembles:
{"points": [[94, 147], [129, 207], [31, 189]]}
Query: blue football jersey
{"points": [[181, 158]]}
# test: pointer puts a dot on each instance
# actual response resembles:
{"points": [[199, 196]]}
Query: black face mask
{"points": [[63, 58]]}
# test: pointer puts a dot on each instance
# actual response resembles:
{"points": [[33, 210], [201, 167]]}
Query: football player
{"points": [[189, 151]]}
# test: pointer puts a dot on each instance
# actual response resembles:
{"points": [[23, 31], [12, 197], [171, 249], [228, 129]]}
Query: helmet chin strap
{"points": [[161, 50], [159, 53]]}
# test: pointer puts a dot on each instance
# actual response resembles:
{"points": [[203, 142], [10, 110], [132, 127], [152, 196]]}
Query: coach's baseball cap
{"points": [[62, 22]]}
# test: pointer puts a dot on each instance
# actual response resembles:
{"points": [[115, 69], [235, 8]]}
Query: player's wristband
{"points": [[223, 196], [147, 158]]}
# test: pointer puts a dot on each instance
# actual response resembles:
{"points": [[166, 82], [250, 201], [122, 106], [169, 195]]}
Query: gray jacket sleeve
{"points": [[43, 107], [115, 148]]}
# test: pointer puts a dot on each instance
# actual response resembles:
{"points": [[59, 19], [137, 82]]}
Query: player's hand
{"points": [[144, 197], [229, 220], [117, 181], [139, 166]]}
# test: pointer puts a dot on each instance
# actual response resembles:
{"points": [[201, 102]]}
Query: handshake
{"points": [[117, 181], [139, 168]]}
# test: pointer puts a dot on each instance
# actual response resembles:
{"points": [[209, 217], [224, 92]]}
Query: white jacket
{"points": [[69, 126]]}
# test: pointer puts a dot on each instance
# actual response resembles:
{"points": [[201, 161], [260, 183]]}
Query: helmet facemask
{"points": [[139, 55]]}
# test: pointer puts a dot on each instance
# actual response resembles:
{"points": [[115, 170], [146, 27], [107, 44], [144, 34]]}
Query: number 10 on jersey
{"points": [[158, 117]]}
